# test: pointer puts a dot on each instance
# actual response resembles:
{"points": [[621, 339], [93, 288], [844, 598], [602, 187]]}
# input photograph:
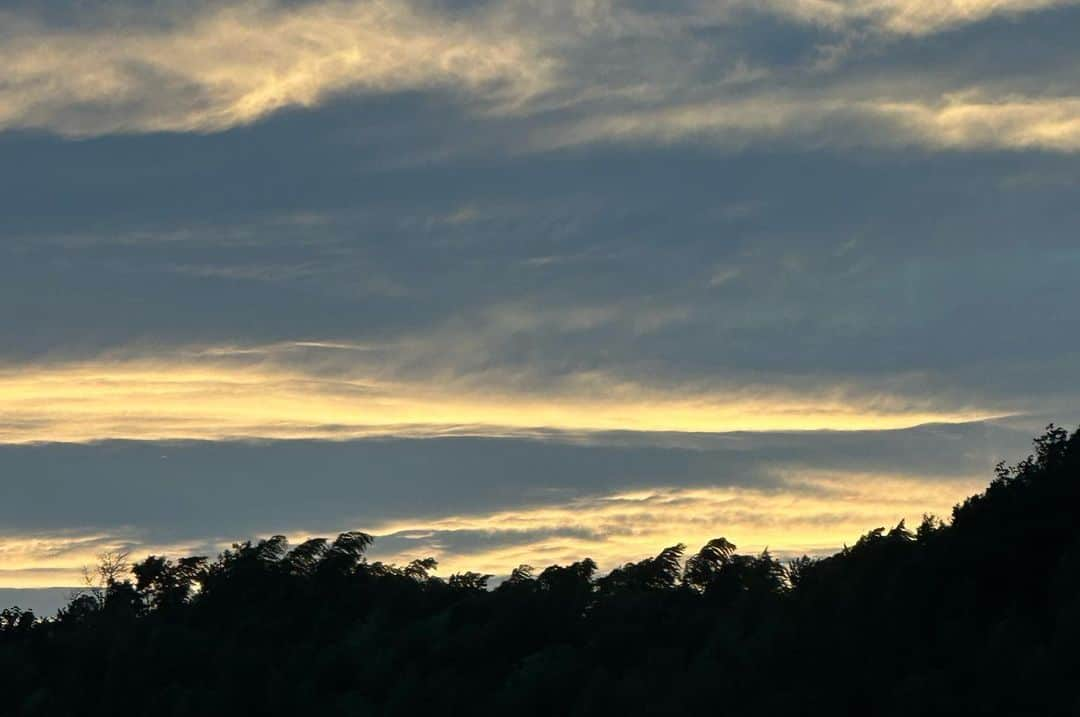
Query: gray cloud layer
{"points": [[184, 491], [867, 201], [942, 276]]}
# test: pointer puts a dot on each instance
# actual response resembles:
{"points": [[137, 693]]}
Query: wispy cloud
{"points": [[907, 17], [235, 64], [563, 72]]}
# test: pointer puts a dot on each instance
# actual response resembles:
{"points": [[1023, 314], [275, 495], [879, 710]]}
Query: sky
{"points": [[525, 281]]}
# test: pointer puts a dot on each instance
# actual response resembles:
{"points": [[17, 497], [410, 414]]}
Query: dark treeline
{"points": [[977, 616]]}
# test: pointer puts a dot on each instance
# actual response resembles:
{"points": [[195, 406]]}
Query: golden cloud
{"points": [[815, 513], [68, 559], [227, 399]]}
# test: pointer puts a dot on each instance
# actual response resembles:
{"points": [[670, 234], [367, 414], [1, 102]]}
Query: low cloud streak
{"points": [[161, 399]]}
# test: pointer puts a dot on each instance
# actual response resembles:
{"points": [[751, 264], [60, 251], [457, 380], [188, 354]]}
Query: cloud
{"points": [[906, 17], [511, 230], [807, 512], [967, 120], [155, 399], [812, 514], [58, 559], [539, 75], [483, 503], [234, 64], [832, 282]]}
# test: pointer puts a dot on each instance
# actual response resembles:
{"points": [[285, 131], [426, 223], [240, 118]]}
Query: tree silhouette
{"points": [[976, 615]]}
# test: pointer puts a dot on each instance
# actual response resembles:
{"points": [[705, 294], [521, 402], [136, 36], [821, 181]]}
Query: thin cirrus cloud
{"points": [[560, 74]]}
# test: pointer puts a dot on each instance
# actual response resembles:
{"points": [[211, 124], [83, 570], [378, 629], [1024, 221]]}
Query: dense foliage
{"points": [[979, 616]]}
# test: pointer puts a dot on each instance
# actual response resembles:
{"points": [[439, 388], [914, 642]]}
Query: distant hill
{"points": [[976, 615], [42, 601]]}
